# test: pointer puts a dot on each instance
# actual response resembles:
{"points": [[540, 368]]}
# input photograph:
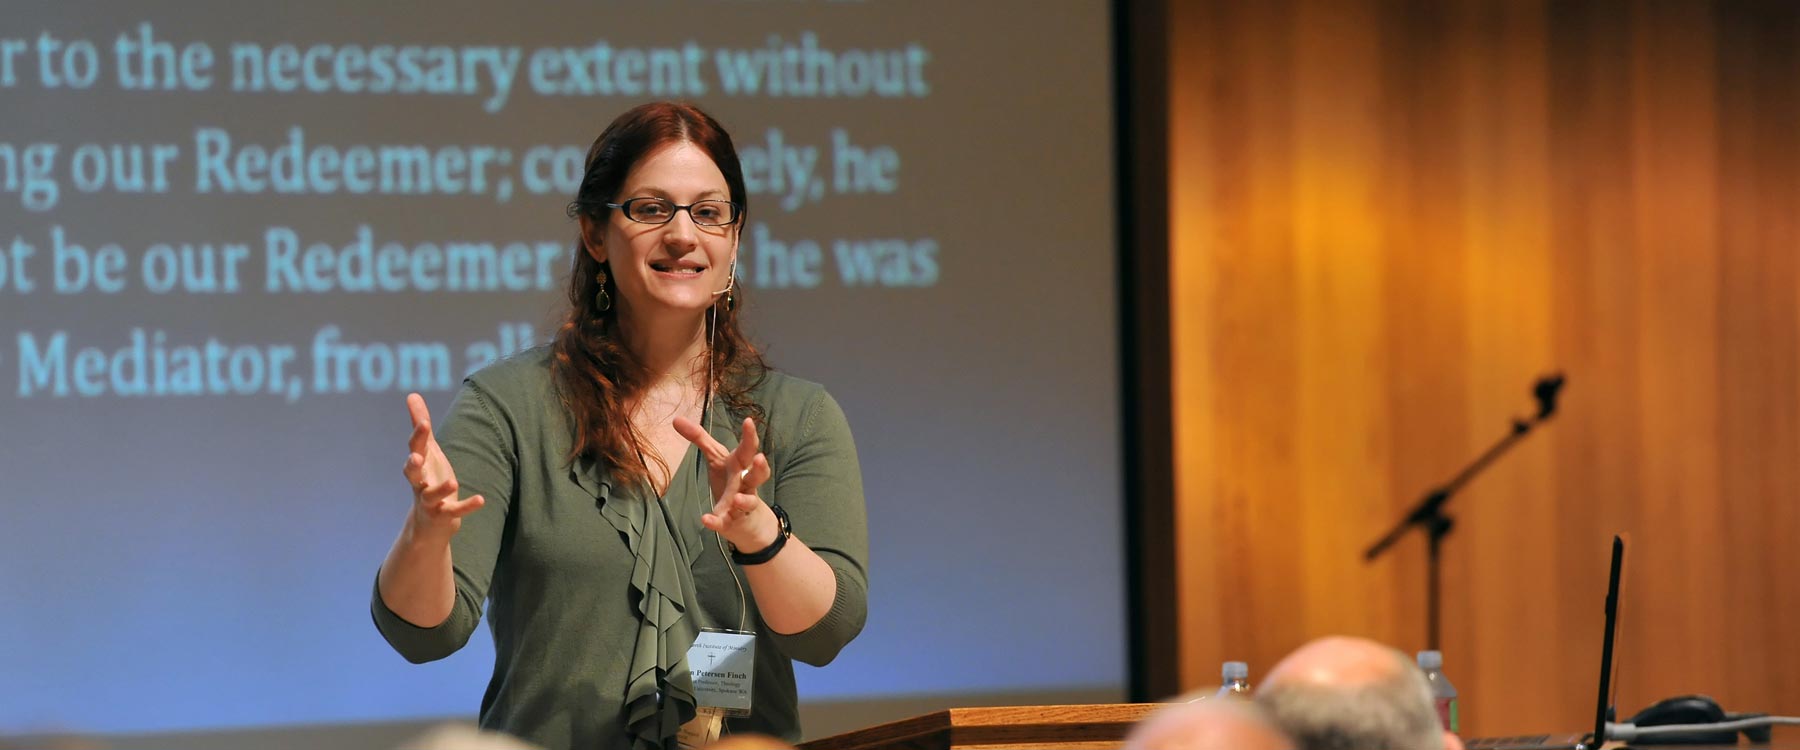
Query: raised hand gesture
{"points": [[737, 514], [436, 511]]}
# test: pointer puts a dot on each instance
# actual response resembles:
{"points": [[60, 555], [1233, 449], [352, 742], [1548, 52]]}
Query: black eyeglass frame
{"points": [[737, 211]]}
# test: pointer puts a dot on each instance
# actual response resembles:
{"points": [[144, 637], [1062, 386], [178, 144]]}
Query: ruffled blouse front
{"points": [[659, 692]]}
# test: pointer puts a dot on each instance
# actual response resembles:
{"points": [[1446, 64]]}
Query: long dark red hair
{"points": [[595, 374]]}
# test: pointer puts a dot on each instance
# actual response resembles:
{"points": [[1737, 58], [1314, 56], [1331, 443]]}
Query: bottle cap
{"points": [[1431, 660], [1235, 670]]}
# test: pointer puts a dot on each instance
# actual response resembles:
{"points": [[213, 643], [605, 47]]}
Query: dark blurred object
{"points": [[1693, 709]]}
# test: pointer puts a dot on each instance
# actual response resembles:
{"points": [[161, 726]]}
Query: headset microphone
{"points": [[731, 282]]}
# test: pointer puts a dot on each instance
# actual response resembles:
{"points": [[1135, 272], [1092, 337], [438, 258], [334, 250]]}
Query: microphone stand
{"points": [[1429, 514]]}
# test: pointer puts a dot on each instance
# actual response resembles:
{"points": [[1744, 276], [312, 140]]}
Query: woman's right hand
{"points": [[436, 511]]}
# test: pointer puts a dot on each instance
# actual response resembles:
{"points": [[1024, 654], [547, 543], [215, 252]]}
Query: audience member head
{"points": [[1215, 724], [749, 741], [1340, 693], [457, 736]]}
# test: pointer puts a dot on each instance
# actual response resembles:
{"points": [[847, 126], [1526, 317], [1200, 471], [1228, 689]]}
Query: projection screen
{"points": [[233, 236]]}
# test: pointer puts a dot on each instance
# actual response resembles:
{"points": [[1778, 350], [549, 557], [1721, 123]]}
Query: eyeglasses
{"points": [[662, 210]]}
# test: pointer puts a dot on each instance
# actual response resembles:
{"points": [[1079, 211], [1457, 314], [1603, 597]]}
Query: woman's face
{"points": [[678, 266]]}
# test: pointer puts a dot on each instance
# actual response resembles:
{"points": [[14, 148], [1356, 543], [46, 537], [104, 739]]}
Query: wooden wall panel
{"points": [[1758, 233], [1387, 218]]}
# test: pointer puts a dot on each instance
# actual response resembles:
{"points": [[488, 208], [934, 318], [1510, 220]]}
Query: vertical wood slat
{"points": [[1387, 217]]}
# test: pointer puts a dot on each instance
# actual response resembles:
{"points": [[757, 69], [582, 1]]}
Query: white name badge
{"points": [[723, 666]]}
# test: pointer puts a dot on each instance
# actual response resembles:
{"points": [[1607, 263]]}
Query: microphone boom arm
{"points": [[1428, 513]]}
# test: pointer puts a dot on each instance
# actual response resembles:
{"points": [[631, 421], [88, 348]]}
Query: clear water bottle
{"points": [[1234, 680], [1442, 691]]}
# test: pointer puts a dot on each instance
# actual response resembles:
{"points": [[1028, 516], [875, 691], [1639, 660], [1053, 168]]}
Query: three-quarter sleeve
{"points": [[481, 448], [820, 487]]}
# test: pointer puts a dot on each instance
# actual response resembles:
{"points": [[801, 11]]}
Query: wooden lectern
{"points": [[1097, 727]]}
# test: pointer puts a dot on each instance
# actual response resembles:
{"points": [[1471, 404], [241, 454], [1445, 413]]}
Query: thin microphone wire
{"points": [[712, 339]]}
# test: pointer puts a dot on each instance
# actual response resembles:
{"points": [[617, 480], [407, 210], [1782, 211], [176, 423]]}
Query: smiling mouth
{"points": [[677, 269]]}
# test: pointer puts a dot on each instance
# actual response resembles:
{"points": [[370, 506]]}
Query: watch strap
{"points": [[768, 553]]}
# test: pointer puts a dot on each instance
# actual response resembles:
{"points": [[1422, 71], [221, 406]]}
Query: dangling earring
{"points": [[731, 285], [602, 300]]}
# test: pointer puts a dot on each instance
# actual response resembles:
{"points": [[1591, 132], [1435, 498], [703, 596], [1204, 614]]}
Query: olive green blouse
{"points": [[596, 590]]}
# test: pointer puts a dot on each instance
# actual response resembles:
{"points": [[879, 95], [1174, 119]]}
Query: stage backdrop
{"points": [[232, 239]]}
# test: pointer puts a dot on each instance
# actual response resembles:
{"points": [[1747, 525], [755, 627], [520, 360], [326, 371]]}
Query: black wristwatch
{"points": [[767, 553]]}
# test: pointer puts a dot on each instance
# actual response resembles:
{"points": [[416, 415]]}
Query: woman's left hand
{"points": [[738, 514]]}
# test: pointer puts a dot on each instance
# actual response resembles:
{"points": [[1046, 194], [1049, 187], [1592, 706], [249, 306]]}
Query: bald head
{"points": [[1338, 661], [1340, 693], [456, 736], [749, 742], [1215, 724]]}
